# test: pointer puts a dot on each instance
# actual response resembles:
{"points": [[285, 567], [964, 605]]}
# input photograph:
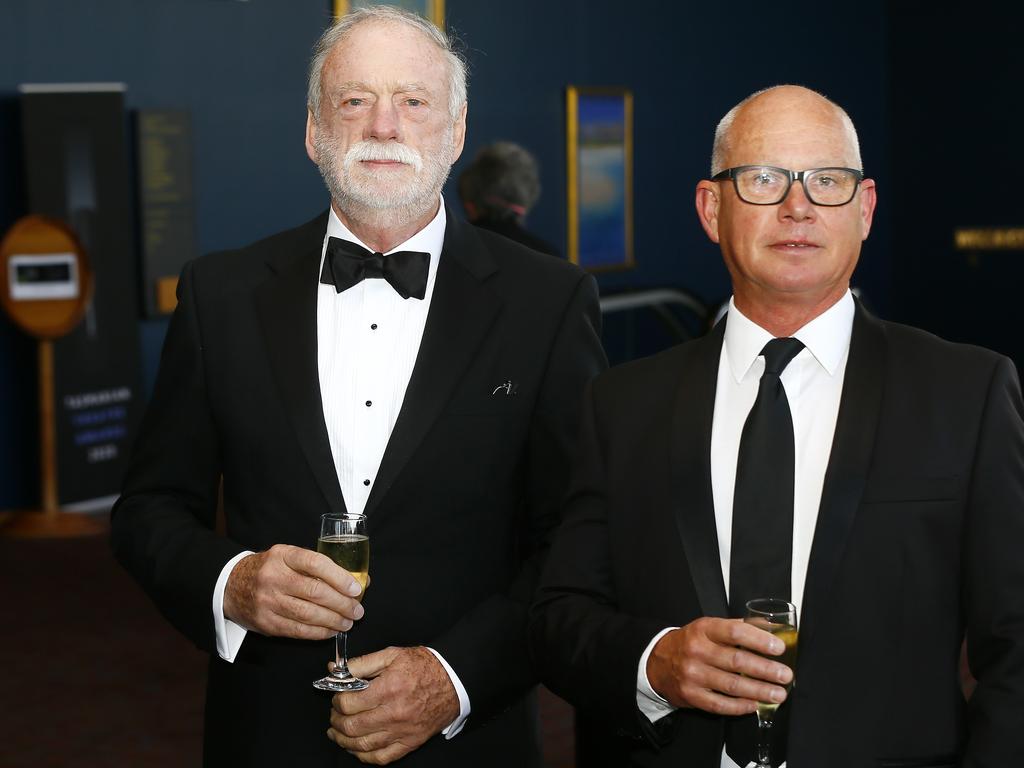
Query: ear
{"points": [[868, 199], [707, 207], [459, 132], [311, 137]]}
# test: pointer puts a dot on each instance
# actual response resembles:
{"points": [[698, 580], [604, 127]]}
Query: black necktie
{"points": [[347, 264], [761, 561]]}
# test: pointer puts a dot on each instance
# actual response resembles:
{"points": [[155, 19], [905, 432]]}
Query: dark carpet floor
{"points": [[92, 676]]}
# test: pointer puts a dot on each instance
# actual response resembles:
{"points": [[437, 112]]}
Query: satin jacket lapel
{"points": [[462, 310], [692, 499], [848, 465], [286, 304]]}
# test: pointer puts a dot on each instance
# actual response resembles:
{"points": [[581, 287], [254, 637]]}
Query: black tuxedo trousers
{"points": [[918, 543], [460, 512]]}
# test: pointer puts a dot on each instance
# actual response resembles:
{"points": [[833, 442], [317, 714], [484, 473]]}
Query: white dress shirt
{"points": [[370, 323], [814, 384]]}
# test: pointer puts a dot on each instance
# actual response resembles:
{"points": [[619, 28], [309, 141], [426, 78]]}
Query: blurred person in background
{"points": [[499, 188]]}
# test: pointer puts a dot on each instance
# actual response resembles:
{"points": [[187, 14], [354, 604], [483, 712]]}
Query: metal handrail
{"points": [[651, 298], [663, 303]]}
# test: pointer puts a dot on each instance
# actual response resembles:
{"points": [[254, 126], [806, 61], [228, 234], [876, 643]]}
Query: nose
{"points": [[795, 206], [384, 122]]}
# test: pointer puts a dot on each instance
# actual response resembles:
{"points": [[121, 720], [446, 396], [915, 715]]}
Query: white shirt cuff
{"points": [[229, 634], [728, 762], [456, 725], [649, 701]]}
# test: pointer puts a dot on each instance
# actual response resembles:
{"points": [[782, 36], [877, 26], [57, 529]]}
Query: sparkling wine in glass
{"points": [[344, 539], [779, 618]]}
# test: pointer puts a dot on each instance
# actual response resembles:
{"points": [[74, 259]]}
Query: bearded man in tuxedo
{"points": [[384, 359], [868, 472]]}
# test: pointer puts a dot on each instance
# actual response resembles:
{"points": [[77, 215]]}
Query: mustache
{"points": [[390, 151]]}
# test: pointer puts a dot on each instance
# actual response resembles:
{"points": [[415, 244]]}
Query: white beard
{"points": [[384, 199]]}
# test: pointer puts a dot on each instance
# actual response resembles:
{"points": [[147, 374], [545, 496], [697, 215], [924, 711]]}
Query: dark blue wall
{"points": [[687, 64], [957, 133], [239, 68]]}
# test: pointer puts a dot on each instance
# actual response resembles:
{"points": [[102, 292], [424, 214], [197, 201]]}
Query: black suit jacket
{"points": [[918, 539], [464, 500]]}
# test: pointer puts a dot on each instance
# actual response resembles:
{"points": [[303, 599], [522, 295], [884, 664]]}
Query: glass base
{"points": [[341, 684]]}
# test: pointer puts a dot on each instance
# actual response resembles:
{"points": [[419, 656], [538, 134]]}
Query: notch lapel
{"points": [[286, 305], [692, 499], [462, 311], [848, 464]]}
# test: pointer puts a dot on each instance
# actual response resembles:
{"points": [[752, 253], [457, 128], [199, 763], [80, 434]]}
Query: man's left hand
{"points": [[410, 699]]}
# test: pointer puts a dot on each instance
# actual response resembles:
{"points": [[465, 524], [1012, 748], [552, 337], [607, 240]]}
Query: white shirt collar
{"points": [[826, 337], [430, 239]]}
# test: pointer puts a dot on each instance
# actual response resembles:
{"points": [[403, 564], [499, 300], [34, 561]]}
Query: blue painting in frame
{"points": [[600, 160]]}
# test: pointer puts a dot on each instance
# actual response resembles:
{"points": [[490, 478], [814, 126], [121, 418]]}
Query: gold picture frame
{"points": [[429, 9], [599, 154]]}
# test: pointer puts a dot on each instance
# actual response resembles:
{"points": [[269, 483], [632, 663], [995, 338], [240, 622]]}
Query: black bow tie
{"points": [[347, 264]]}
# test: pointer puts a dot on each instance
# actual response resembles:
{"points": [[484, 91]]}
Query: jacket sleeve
{"points": [[587, 649], [162, 526], [994, 576]]}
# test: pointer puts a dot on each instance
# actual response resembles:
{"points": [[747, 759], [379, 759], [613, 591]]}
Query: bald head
{"points": [[777, 109], [790, 260]]}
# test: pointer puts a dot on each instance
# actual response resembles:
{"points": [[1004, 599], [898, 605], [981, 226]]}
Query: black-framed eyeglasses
{"points": [[768, 185]]}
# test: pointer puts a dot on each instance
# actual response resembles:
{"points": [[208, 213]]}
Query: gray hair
{"points": [[342, 26], [721, 146], [501, 175]]}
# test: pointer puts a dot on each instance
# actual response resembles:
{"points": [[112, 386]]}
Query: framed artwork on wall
{"points": [[599, 152], [429, 9]]}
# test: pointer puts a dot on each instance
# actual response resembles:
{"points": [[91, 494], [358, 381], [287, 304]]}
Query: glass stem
{"points": [[341, 656], [764, 740]]}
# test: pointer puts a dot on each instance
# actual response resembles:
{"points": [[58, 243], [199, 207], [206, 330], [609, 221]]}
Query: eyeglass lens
{"points": [[823, 186]]}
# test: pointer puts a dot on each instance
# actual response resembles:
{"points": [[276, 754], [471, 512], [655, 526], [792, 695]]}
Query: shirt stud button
{"points": [[369, 403], [366, 482], [373, 327]]}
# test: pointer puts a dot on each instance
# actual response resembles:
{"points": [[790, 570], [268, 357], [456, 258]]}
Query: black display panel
{"points": [[76, 170]]}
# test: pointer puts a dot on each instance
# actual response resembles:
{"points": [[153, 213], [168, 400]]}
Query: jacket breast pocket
{"points": [[498, 403], [945, 761], [886, 489]]}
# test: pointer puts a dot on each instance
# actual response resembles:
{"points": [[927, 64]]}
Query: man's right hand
{"points": [[711, 664], [292, 592]]}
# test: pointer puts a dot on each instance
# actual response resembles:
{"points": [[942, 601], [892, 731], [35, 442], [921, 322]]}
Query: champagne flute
{"points": [[343, 538], [779, 618]]}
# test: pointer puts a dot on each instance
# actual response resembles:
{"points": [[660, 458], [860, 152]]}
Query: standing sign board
{"points": [[45, 286], [76, 169]]}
